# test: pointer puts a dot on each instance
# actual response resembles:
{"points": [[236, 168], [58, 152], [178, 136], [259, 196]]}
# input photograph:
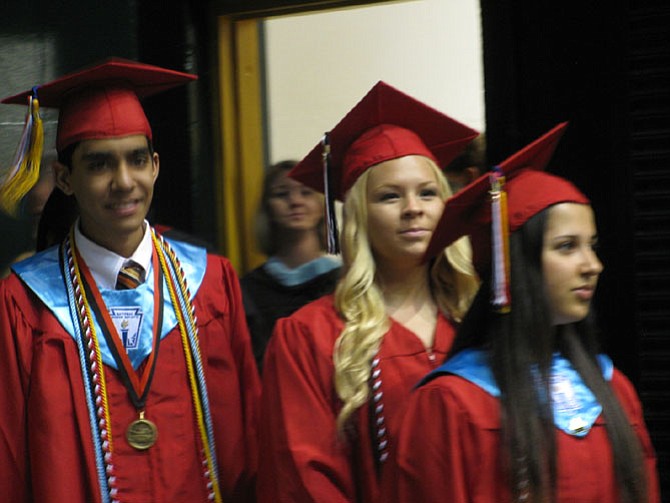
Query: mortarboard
{"points": [[386, 124], [500, 202], [101, 101]]}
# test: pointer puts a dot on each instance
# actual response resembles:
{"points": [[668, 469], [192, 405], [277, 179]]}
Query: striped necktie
{"points": [[130, 276]]}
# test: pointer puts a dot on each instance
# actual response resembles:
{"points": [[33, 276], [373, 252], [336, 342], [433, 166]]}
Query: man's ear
{"points": [[62, 175], [156, 165]]}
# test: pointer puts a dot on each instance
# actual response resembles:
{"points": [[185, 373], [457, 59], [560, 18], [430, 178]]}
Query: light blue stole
{"points": [[575, 407], [42, 274]]}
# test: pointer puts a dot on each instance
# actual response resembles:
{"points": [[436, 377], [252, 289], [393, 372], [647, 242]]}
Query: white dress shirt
{"points": [[105, 265]]}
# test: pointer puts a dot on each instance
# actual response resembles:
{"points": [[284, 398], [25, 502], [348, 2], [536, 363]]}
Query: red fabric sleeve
{"points": [[303, 458], [431, 461], [14, 482], [234, 401]]}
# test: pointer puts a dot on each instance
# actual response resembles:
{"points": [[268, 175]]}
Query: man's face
{"points": [[113, 182]]}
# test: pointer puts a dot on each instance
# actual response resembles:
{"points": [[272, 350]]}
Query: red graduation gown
{"points": [[448, 449], [46, 450], [302, 456]]}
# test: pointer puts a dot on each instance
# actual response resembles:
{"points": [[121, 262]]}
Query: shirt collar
{"points": [[104, 264]]}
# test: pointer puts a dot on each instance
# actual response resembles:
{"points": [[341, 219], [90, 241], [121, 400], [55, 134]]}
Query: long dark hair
{"points": [[520, 345]]}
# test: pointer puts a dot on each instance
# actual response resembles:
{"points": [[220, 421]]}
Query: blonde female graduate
{"points": [[525, 409], [338, 371]]}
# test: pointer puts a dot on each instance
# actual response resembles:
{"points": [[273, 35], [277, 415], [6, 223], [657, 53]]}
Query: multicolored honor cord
{"points": [[93, 372]]}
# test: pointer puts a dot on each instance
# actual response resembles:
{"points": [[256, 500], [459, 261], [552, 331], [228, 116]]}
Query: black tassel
{"points": [[332, 234]]}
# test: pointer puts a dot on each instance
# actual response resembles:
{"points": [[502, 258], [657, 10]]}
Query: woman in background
{"points": [[525, 409], [339, 370], [290, 231]]}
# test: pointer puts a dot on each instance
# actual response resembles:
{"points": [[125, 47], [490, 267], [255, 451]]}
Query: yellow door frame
{"points": [[241, 147]]}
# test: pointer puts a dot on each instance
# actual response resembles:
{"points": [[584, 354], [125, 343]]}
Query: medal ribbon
{"points": [[138, 387]]}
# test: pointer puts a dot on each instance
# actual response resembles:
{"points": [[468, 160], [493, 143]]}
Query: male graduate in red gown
{"points": [[127, 372]]}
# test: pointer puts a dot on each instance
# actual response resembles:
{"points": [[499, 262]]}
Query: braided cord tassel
{"points": [[25, 170], [93, 375], [186, 320]]}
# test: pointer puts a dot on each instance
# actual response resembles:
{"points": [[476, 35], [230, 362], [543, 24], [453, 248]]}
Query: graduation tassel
{"points": [[332, 235], [500, 295], [25, 169]]}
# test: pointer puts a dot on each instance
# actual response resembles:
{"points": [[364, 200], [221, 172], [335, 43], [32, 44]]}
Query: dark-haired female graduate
{"points": [[338, 371], [525, 409], [126, 367]]}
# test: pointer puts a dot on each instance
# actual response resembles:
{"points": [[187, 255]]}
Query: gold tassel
{"points": [[25, 170]]}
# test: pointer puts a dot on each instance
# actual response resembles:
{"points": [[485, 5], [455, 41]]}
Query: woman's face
{"points": [[403, 206], [570, 265], [292, 205]]}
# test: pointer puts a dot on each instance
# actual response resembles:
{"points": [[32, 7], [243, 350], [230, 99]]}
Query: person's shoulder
{"points": [[10, 284], [219, 272], [256, 275], [37, 268], [321, 309], [311, 332], [625, 391], [14, 291], [316, 320], [463, 397], [330, 277]]}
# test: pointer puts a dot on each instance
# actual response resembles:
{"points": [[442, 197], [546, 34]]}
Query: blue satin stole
{"points": [[575, 407], [42, 274]]}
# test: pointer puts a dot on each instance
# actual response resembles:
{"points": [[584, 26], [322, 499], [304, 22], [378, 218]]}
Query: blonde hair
{"points": [[360, 301]]}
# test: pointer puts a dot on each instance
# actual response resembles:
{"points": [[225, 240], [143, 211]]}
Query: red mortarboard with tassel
{"points": [[101, 101], [497, 204], [386, 124]]}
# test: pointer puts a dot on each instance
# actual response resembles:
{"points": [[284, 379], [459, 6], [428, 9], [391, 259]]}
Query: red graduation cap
{"points": [[384, 125], [102, 101], [500, 202]]}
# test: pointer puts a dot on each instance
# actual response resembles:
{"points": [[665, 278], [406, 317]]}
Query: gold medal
{"points": [[141, 433]]}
